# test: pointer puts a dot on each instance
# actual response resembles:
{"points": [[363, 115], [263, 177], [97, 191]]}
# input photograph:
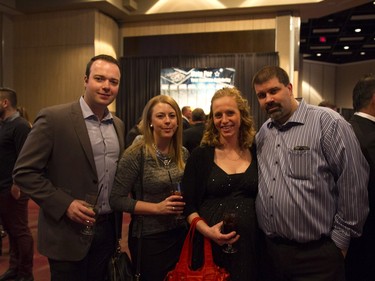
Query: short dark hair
{"points": [[363, 92], [9, 94], [106, 58], [268, 72], [198, 115]]}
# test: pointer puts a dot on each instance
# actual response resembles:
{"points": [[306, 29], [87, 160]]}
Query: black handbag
{"points": [[120, 267]]}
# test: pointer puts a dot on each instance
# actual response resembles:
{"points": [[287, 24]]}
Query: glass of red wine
{"points": [[176, 190], [230, 223]]}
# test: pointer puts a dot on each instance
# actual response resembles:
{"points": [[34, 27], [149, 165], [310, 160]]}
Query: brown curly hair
{"points": [[247, 131]]}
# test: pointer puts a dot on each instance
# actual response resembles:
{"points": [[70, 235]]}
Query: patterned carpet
{"points": [[41, 268]]}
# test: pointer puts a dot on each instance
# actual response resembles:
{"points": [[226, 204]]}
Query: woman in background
{"points": [[221, 175], [163, 165]]}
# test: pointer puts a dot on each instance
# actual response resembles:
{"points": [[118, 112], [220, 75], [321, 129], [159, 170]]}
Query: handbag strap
{"points": [[140, 222], [187, 248]]}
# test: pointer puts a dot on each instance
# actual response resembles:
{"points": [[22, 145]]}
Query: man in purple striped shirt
{"points": [[312, 184]]}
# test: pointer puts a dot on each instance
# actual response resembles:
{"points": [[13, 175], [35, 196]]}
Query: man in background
{"points": [[71, 151], [13, 203], [186, 116], [192, 136], [312, 196], [361, 253]]}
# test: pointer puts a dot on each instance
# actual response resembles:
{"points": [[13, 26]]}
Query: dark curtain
{"points": [[140, 79]]}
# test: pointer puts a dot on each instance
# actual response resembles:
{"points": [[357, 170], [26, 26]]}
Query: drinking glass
{"points": [[230, 223], [176, 190], [91, 203]]}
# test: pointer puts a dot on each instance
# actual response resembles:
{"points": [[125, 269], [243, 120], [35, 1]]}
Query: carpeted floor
{"points": [[41, 268]]}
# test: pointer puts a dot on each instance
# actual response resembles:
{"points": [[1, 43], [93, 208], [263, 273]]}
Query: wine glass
{"points": [[91, 202], [176, 190], [230, 223]]}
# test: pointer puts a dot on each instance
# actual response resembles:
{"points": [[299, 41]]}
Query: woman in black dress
{"points": [[221, 175]]}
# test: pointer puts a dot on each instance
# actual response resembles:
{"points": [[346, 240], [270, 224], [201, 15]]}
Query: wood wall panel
{"points": [[218, 24], [51, 51]]}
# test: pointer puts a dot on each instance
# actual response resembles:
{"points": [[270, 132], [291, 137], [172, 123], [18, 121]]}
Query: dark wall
{"points": [[255, 41]]}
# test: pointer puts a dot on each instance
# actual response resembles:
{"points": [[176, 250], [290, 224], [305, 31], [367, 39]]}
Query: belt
{"points": [[289, 242], [104, 217]]}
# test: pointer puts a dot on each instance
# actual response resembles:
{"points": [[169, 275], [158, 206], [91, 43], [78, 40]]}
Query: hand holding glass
{"points": [[230, 223], [176, 190], [91, 201]]}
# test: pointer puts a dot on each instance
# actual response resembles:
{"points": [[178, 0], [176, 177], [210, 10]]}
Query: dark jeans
{"points": [[94, 266], [14, 216], [313, 261]]}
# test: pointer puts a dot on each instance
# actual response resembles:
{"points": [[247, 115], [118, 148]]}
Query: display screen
{"points": [[195, 87]]}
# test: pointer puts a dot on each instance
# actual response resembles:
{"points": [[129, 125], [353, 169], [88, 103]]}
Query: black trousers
{"points": [[94, 266], [159, 254], [286, 260]]}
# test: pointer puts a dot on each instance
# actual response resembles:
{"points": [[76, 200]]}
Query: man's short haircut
{"points": [[198, 115], [10, 95], [363, 92], [268, 72], [106, 58]]}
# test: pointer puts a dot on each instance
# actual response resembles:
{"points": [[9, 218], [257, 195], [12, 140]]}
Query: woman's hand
{"points": [[172, 205], [220, 238]]}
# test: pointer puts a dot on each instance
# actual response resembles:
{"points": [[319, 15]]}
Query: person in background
{"points": [[186, 116], [163, 156], [328, 104], [361, 253], [132, 134], [313, 177], [71, 151], [221, 176], [14, 203], [192, 136], [23, 113]]}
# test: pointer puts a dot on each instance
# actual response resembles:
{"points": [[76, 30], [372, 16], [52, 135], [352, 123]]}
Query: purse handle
{"points": [[187, 248]]}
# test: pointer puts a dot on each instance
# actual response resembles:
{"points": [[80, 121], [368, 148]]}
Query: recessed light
{"points": [[363, 53], [357, 30], [346, 47], [318, 54], [326, 30]]}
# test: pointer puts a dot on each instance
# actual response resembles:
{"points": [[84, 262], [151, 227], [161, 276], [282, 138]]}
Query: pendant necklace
{"points": [[164, 159]]}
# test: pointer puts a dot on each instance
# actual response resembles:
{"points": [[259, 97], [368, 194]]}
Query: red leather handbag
{"points": [[208, 272]]}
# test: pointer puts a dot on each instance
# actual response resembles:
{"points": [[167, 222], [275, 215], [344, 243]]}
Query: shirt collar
{"points": [[10, 118], [298, 118], [88, 114], [365, 115]]}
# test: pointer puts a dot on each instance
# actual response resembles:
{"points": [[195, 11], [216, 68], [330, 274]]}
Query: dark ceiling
{"points": [[330, 35]]}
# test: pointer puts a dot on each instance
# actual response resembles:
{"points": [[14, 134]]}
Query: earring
{"points": [[151, 125]]}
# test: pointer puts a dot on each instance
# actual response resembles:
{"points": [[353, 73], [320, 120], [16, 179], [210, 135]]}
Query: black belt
{"points": [[289, 242], [105, 217]]}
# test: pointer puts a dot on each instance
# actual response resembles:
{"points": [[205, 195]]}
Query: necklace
{"points": [[163, 158]]}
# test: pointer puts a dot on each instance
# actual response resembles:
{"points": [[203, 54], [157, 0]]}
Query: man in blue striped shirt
{"points": [[312, 184]]}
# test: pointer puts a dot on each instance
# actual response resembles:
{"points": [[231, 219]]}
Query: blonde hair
{"points": [[247, 131], [175, 150]]}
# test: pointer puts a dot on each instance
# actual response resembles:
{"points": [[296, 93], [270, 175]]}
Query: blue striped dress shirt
{"points": [[312, 178]]}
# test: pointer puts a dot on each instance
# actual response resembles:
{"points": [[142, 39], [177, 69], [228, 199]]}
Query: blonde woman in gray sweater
{"points": [[163, 157]]}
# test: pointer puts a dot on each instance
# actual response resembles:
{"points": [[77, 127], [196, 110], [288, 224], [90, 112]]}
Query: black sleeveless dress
{"points": [[238, 192]]}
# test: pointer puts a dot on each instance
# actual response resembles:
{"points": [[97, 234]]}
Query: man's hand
{"points": [[78, 212], [15, 191]]}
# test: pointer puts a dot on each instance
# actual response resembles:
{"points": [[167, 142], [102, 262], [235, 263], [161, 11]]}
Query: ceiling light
{"points": [[363, 53], [318, 54], [326, 30], [362, 17], [369, 46], [357, 30], [320, 47], [359, 38], [341, 53], [346, 47]]}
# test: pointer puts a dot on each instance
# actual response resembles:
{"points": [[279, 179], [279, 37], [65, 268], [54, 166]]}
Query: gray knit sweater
{"points": [[156, 187]]}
